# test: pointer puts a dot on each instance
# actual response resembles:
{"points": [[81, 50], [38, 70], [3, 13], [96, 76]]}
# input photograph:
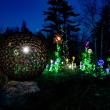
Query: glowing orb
{"points": [[58, 38], [89, 51], [26, 49]]}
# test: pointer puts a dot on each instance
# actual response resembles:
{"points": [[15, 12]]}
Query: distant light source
{"points": [[70, 66], [89, 51], [58, 39], [100, 62], [26, 49], [16, 53]]}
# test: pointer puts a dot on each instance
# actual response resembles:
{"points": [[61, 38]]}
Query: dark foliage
{"points": [[102, 32]]}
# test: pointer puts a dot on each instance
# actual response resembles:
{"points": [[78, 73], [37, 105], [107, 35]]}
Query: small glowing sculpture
{"points": [[86, 64], [100, 62], [51, 65], [73, 64], [82, 66], [87, 45], [73, 58], [67, 60], [108, 71], [70, 65]]}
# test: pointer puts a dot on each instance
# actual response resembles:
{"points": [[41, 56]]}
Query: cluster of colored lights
{"points": [[59, 64], [55, 65], [87, 66], [70, 64], [23, 55]]}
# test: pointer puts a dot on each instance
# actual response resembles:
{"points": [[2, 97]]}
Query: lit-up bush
{"points": [[23, 56]]}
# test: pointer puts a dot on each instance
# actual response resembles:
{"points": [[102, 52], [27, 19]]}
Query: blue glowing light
{"points": [[100, 62]]}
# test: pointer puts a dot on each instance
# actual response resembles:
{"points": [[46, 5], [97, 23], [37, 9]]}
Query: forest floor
{"points": [[75, 93]]}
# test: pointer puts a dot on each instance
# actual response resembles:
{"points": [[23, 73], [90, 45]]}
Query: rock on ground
{"points": [[16, 93]]}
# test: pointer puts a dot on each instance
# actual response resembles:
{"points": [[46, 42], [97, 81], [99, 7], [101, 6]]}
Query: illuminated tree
{"points": [[87, 65], [54, 65], [59, 19]]}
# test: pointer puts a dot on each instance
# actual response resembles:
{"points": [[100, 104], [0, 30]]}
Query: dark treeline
{"points": [[92, 24]]}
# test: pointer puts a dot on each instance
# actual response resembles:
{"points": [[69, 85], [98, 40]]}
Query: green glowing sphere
{"points": [[23, 56]]}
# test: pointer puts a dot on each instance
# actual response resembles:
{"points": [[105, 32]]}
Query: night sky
{"points": [[13, 12]]}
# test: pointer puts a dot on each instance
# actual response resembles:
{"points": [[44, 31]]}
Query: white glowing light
{"points": [[107, 70], [89, 51], [16, 52], [73, 58], [70, 66], [51, 61], [62, 62], [67, 60], [26, 49]]}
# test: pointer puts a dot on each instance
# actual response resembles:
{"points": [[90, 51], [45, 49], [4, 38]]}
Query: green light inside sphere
{"points": [[23, 55]]}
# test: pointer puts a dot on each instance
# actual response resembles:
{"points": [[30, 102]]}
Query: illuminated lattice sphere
{"points": [[23, 56]]}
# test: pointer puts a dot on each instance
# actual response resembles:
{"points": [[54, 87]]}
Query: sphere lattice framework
{"points": [[23, 55]]}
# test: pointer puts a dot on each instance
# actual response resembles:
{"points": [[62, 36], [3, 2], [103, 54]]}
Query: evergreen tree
{"points": [[59, 19], [58, 16], [102, 32], [24, 28]]}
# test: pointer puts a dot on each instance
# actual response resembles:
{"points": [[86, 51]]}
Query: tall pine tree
{"points": [[24, 28], [59, 15], [59, 18], [102, 32]]}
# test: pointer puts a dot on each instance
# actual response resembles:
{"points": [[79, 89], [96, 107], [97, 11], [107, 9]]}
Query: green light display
{"points": [[86, 65], [55, 65]]}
